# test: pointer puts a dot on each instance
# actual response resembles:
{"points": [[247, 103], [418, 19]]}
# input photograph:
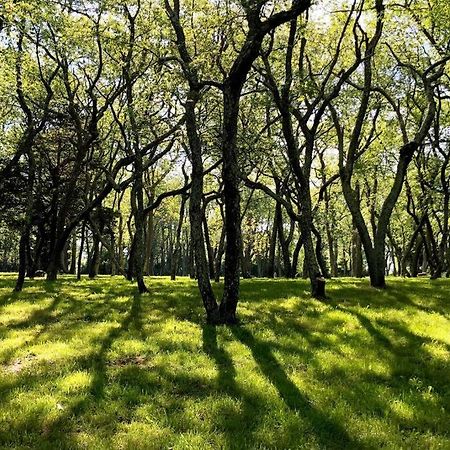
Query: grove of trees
{"points": [[225, 138]]}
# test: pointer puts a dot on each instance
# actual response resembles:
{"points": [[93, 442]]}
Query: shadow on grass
{"points": [[414, 372], [329, 433], [98, 359], [243, 411]]}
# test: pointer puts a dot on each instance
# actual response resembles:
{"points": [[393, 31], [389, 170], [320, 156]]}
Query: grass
{"points": [[92, 365]]}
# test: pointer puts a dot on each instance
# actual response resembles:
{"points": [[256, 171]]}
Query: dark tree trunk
{"points": [[73, 255], [295, 256], [139, 237], [130, 272], [231, 177], [332, 254], [24, 241], [219, 256], [196, 213], [210, 251], [284, 243], [357, 259], [273, 247], [113, 255], [319, 253], [80, 252], [149, 236], [414, 267], [95, 258]]}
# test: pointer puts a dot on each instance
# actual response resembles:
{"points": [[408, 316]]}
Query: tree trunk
{"points": [[196, 212], [80, 252], [24, 240], [95, 258], [210, 251], [73, 255], [357, 259], [219, 255], [230, 174], [273, 247], [319, 253], [284, 244], [295, 256]]}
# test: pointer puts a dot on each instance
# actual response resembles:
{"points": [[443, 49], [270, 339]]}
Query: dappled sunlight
{"points": [[92, 364]]}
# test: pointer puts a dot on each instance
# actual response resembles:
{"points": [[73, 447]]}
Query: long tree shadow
{"points": [[39, 316], [98, 359], [410, 360], [329, 433], [253, 406], [60, 429], [225, 366]]}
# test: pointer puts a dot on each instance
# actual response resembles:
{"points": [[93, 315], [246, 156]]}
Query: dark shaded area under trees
{"points": [[161, 142]]}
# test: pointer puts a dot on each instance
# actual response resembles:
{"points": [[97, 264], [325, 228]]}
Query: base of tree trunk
{"points": [[213, 317], [218, 317], [319, 288], [142, 287], [318, 283]]}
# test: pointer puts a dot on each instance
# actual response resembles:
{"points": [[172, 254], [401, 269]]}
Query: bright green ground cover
{"points": [[92, 365]]}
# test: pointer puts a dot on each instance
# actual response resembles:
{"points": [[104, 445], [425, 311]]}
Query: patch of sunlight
{"points": [[15, 342], [32, 406], [402, 409], [92, 440], [172, 326], [192, 440], [375, 367], [437, 350], [78, 381], [121, 299], [137, 436], [55, 350], [434, 326], [20, 314], [128, 346], [372, 430]]}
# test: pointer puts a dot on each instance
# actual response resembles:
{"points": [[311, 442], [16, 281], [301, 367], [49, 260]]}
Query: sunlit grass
{"points": [[90, 364]]}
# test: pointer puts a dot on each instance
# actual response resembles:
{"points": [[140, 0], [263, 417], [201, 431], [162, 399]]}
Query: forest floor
{"points": [[91, 364]]}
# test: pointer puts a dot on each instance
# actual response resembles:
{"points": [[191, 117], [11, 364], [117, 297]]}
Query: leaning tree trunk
{"points": [[295, 256], [149, 234], [196, 213], [319, 253]]}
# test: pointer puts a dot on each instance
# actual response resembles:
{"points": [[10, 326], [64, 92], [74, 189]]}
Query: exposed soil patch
{"points": [[19, 364], [131, 360]]}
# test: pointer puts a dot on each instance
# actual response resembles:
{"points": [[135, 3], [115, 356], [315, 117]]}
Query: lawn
{"points": [[92, 365]]}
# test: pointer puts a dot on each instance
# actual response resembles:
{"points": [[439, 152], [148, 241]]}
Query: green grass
{"points": [[92, 365]]}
